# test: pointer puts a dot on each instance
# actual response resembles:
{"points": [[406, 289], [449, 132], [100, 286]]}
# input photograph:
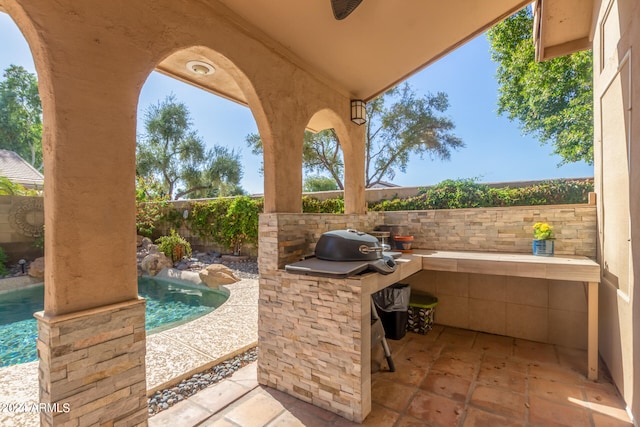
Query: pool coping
{"points": [[172, 355], [18, 282]]}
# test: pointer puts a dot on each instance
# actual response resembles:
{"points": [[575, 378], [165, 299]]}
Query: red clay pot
{"points": [[403, 243]]}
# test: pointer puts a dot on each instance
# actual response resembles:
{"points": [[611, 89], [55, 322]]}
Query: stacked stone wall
{"points": [[500, 229], [310, 341], [287, 238], [92, 367]]}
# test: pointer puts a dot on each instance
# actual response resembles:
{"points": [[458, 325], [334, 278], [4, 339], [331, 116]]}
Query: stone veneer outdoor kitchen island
{"points": [[314, 334]]}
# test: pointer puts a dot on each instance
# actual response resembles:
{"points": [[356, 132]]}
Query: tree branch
{"points": [[192, 190]]}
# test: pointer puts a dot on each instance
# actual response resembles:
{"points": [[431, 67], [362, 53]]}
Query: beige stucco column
{"points": [[282, 145], [89, 89], [354, 169], [616, 89], [91, 339]]}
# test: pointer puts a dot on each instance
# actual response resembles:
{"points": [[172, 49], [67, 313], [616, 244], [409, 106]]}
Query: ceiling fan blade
{"points": [[342, 8]]}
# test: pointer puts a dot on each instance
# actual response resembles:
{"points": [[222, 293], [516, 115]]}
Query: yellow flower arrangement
{"points": [[542, 231]]}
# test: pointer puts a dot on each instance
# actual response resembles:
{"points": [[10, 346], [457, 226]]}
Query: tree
{"points": [[400, 124], [151, 200], [319, 183], [553, 100], [21, 115], [173, 153]]}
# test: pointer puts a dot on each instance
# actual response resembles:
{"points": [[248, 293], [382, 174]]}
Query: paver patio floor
{"points": [[449, 377]]}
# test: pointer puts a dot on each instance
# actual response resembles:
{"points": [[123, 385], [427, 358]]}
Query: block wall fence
{"points": [[21, 221], [486, 229], [508, 229]]}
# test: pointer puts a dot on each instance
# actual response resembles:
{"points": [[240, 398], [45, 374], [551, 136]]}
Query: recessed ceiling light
{"points": [[200, 68]]}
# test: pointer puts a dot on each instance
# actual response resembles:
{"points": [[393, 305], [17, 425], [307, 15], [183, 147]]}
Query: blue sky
{"points": [[495, 149]]}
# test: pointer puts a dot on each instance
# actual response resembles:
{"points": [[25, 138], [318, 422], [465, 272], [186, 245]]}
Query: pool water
{"points": [[168, 305]]}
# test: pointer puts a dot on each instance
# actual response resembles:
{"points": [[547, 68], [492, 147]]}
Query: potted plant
{"points": [[174, 246], [403, 243], [543, 243]]}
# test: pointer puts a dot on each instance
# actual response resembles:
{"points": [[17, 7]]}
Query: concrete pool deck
{"points": [[172, 355]]}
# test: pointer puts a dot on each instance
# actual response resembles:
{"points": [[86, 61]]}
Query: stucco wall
{"points": [[541, 310], [617, 175], [21, 221]]}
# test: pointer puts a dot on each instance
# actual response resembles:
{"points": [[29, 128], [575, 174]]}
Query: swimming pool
{"points": [[168, 304]]}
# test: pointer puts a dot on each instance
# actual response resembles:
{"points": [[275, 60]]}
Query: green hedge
{"points": [[230, 221], [312, 205], [466, 193]]}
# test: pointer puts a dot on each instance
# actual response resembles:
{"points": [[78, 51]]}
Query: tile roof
{"points": [[18, 170]]}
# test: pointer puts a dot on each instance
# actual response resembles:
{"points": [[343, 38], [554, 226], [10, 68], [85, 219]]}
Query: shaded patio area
{"points": [[449, 377], [296, 67]]}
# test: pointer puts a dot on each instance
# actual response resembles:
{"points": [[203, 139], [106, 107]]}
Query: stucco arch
{"points": [[351, 139], [92, 59], [91, 75], [227, 80]]}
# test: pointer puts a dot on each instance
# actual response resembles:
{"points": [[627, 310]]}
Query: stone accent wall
{"points": [[309, 328], [292, 236], [500, 229], [310, 341], [287, 238], [93, 364]]}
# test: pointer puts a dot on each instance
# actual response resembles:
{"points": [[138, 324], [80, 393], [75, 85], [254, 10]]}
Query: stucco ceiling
{"points": [[380, 44]]}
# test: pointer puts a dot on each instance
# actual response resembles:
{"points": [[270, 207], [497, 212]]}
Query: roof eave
{"points": [[563, 31]]}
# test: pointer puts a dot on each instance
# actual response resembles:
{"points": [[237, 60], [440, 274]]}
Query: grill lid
{"points": [[348, 245]]}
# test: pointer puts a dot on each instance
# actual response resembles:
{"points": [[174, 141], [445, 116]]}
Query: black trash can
{"points": [[392, 305]]}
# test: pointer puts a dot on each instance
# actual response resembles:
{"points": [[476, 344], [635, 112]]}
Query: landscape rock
{"points": [[36, 269], [163, 399], [215, 275], [145, 243], [154, 262]]}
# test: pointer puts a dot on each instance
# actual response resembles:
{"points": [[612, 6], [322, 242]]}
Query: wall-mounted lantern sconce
{"points": [[358, 111], [185, 214]]}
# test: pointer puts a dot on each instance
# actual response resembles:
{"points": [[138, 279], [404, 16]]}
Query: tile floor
{"points": [[449, 377]]}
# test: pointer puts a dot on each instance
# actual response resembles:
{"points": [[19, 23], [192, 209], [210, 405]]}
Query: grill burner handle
{"points": [[364, 249]]}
